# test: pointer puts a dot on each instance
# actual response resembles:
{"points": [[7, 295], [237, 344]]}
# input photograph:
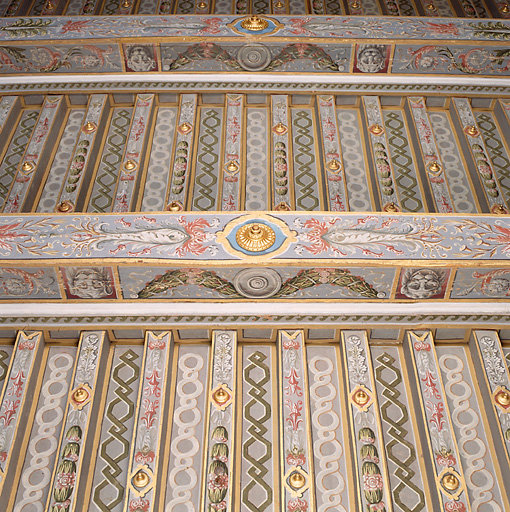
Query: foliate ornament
{"points": [[255, 237], [221, 423], [254, 57], [257, 283]]}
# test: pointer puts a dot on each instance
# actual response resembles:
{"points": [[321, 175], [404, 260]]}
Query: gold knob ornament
{"points": [[450, 482], [503, 398], [505, 8], [141, 479], [334, 165], [174, 206], [499, 209], [185, 128], [27, 166], [255, 237], [297, 480], [129, 165], [361, 397], [376, 129], [280, 128], [254, 23], [89, 127], [80, 395], [221, 396], [434, 167], [65, 206], [472, 131], [202, 5], [391, 207]]}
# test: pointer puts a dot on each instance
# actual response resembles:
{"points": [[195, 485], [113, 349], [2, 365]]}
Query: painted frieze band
{"points": [[18, 385], [431, 158], [73, 180], [146, 445], [67, 485], [333, 161], [37, 151], [232, 159], [385, 175], [481, 157], [370, 458], [297, 490], [182, 162], [497, 376], [133, 158], [281, 236], [217, 489], [449, 476], [281, 152]]}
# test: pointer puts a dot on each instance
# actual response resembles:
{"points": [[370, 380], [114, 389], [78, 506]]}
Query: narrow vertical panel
{"points": [[181, 166], [498, 379], [406, 178], [217, 486], [134, 153], [257, 150], [9, 107], [111, 467], [356, 169], [481, 157], [334, 7], [15, 150], [37, 153], [208, 172], [330, 446], [449, 477], [73, 182], [474, 9], [297, 492], [56, 173], [373, 483], [187, 451], [77, 437], [407, 8], [222, 6], [234, 129], [145, 459], [383, 165], [41, 453], [281, 152], [455, 171], [259, 442], [18, 389], [400, 440], [333, 160], [10, 8], [158, 171], [307, 186], [434, 167], [506, 352], [494, 139], [476, 453], [110, 160], [392, 8]]}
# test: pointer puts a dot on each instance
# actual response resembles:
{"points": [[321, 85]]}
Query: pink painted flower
{"points": [[139, 505], [217, 482], [297, 505], [445, 458], [65, 480], [372, 482]]}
